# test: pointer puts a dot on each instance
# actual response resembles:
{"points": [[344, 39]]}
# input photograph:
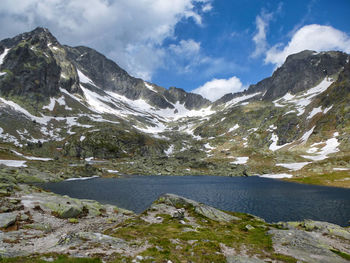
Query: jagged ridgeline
{"points": [[73, 102]]}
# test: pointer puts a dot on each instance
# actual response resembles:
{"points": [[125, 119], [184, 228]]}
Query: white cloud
{"points": [[216, 88], [130, 31], [186, 47], [313, 37], [262, 23]]}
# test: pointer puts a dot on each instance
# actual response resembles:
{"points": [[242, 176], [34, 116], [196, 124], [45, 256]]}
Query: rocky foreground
{"points": [[38, 226]]}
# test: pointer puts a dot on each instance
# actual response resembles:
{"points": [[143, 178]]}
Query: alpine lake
{"points": [[272, 200]]}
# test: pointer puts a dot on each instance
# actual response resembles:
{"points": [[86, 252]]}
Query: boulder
{"points": [[7, 219], [65, 209]]}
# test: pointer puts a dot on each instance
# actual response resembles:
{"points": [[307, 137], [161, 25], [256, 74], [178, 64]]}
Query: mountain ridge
{"points": [[73, 102]]}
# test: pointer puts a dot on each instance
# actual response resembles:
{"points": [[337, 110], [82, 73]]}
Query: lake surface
{"points": [[270, 199]]}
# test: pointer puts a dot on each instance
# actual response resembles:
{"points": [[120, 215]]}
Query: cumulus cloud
{"points": [[262, 22], [312, 37], [129, 31], [186, 47], [216, 88]]}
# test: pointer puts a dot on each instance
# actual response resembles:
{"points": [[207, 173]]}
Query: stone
{"points": [[241, 259], [306, 246], [249, 227], [7, 219], [65, 208], [179, 214]]}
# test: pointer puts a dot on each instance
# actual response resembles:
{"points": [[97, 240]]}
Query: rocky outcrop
{"points": [[190, 100], [172, 228], [202, 209], [312, 241], [301, 71]]}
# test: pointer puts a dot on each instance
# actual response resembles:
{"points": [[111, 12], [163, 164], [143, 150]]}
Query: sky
{"points": [[210, 47]]}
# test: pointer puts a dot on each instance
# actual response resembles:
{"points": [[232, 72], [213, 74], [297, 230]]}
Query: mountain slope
{"points": [[72, 102]]}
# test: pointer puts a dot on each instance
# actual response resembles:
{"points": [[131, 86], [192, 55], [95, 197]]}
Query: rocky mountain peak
{"points": [[39, 36], [299, 72]]}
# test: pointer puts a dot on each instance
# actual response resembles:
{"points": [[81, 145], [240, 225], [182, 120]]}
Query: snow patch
{"points": [[276, 176], [33, 158], [113, 171], [305, 98], [170, 150], [237, 100], [13, 163], [233, 128], [314, 112], [306, 135], [150, 87], [327, 109], [341, 169], [330, 147], [273, 146], [241, 160], [3, 55], [84, 79], [293, 166], [207, 146], [82, 178]]}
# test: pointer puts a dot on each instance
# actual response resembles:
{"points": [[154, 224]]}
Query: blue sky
{"points": [[210, 46]]}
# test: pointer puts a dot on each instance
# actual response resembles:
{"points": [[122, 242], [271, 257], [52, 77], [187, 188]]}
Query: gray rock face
{"points": [[7, 219], [299, 72], [36, 70], [190, 100], [306, 246]]}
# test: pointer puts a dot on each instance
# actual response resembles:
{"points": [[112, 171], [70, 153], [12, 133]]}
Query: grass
{"points": [[336, 178], [182, 242], [341, 254]]}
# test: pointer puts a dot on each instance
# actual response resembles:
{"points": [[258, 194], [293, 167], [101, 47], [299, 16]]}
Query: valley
{"points": [[70, 113]]}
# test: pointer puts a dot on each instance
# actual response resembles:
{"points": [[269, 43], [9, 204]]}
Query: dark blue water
{"points": [[270, 199]]}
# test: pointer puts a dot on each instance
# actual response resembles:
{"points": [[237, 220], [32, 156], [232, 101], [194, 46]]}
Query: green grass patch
{"points": [[183, 242], [341, 254]]}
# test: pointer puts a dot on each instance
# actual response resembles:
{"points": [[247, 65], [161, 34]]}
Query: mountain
{"points": [[77, 106]]}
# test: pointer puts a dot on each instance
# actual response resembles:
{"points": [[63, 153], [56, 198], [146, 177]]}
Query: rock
{"points": [[7, 219], [63, 210], [306, 246], [241, 259], [215, 214], [40, 226], [249, 227], [179, 214], [318, 226], [116, 243], [60, 206], [138, 257], [202, 209], [24, 217]]}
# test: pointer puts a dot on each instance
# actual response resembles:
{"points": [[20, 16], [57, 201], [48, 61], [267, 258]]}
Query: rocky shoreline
{"points": [[37, 226]]}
